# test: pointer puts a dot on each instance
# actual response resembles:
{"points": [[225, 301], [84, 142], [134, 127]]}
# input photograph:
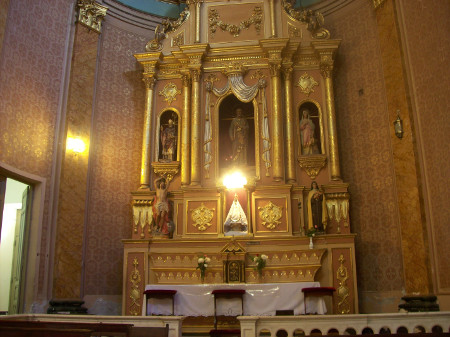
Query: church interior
{"points": [[225, 166]]}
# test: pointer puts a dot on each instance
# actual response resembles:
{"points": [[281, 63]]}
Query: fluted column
{"points": [[149, 81], [290, 152], [195, 128], [278, 162], [185, 131]]}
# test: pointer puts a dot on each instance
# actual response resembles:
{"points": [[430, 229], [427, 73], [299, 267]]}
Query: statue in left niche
{"points": [[161, 207], [168, 137]]}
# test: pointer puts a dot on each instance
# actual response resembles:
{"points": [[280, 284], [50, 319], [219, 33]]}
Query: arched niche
{"points": [[228, 159], [168, 136], [310, 128]]}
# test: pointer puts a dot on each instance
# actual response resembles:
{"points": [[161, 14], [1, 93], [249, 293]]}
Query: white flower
{"points": [[205, 265], [207, 260], [264, 257], [201, 260]]}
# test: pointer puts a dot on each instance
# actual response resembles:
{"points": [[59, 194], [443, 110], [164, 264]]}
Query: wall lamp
{"points": [[398, 126], [76, 145]]}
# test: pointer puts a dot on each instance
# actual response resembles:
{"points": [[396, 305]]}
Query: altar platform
{"points": [[259, 300]]}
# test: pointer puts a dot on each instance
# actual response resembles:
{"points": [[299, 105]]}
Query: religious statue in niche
{"points": [[239, 139], [236, 134], [317, 211], [309, 129], [168, 137], [161, 207], [236, 221]]}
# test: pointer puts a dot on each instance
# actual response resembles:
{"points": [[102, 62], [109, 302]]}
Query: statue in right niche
{"points": [[307, 134]]}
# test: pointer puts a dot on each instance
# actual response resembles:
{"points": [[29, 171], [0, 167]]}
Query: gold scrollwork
{"points": [[166, 170], [255, 19], [170, 92], [202, 217], [312, 164], [342, 292], [135, 293], [270, 214], [91, 14], [306, 84]]}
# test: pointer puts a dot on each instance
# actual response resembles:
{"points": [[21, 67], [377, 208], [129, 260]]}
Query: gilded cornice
{"points": [[91, 14]]}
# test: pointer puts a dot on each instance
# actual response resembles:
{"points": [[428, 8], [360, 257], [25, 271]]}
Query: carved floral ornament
{"points": [[306, 84], [312, 164], [235, 30], [270, 215], [91, 14], [202, 217], [135, 294], [343, 291]]}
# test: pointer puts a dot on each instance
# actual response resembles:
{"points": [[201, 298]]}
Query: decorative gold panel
{"points": [[306, 84], [202, 217], [170, 92], [270, 215]]}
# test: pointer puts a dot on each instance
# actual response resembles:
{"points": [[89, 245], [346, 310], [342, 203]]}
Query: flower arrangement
{"points": [[311, 232], [260, 262], [202, 264]]}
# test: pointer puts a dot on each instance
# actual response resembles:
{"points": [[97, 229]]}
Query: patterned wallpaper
{"points": [[365, 149], [115, 159], [428, 56], [30, 82]]}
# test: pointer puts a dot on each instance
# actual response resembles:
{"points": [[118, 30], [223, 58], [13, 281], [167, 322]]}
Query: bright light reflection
{"points": [[234, 180], [76, 145]]}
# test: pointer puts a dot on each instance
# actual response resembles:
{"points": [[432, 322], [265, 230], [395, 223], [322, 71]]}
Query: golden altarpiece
{"points": [[240, 86]]}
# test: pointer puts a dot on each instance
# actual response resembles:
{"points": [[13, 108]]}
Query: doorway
{"points": [[15, 199]]}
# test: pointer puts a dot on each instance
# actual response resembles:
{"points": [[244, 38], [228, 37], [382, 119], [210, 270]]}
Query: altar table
{"points": [[259, 300]]}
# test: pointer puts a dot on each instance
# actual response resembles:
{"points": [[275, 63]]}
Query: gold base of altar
{"points": [[161, 261]]}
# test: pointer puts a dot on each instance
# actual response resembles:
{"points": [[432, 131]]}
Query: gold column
{"points": [[72, 194], [185, 131], [149, 81], [326, 52], [290, 152], [197, 4], [273, 32], [195, 128], [277, 139]]}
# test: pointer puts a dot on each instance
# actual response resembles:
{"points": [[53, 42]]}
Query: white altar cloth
{"points": [[262, 299]]}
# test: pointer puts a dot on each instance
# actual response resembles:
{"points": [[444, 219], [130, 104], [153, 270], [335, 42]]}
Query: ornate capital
{"points": [[287, 71], [91, 14], [377, 3], [274, 69], [186, 79], [149, 82], [195, 74]]}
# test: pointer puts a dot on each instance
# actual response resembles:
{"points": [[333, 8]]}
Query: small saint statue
{"points": [[238, 133]]}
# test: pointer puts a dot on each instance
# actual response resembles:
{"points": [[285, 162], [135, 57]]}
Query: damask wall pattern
{"points": [[31, 70], [365, 149], [428, 55], [115, 159]]}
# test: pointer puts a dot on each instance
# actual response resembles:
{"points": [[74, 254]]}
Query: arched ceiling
{"points": [[172, 8]]}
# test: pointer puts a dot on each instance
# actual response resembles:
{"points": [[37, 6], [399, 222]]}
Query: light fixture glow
{"points": [[234, 180], [76, 145]]}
